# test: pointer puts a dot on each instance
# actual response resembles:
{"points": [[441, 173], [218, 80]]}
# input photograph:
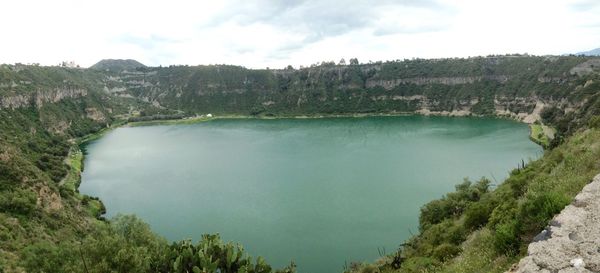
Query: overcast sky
{"points": [[268, 33]]}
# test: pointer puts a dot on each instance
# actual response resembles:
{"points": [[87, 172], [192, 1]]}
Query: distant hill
{"points": [[593, 52], [117, 65]]}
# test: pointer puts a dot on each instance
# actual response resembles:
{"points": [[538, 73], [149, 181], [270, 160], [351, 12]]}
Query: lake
{"points": [[321, 192]]}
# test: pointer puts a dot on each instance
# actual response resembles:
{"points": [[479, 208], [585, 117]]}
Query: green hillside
{"points": [[117, 65], [481, 85]]}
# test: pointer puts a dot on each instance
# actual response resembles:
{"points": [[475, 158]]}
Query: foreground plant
{"points": [[211, 254]]}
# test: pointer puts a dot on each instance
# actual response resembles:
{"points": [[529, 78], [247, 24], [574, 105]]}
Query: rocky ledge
{"points": [[571, 243], [40, 97]]}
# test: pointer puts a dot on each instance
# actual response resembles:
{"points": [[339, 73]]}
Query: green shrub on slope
{"points": [[490, 230]]}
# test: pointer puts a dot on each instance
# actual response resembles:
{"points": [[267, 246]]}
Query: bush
{"points": [[48, 258], [506, 238], [550, 115], [433, 212], [420, 264], [18, 201], [453, 204], [594, 122], [477, 214], [446, 251], [537, 211], [448, 231], [126, 245], [503, 213]]}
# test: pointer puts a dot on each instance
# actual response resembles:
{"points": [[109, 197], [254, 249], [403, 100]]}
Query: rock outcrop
{"points": [[40, 97], [571, 243], [389, 84], [586, 68]]}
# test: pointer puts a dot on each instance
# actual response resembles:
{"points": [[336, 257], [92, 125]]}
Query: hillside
{"points": [[117, 65], [47, 226], [516, 86], [593, 52], [499, 85]]}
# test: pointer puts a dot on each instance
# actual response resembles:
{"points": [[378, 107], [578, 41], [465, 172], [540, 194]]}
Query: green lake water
{"points": [[321, 192]]}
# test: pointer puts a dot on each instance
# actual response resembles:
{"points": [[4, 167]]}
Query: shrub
{"points": [[594, 122], [537, 211], [18, 201], [549, 115], [477, 214], [453, 204], [506, 237], [420, 264], [126, 245], [503, 213], [48, 258], [446, 251], [448, 231], [433, 212]]}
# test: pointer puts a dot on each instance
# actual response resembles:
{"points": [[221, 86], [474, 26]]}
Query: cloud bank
{"points": [[269, 33]]}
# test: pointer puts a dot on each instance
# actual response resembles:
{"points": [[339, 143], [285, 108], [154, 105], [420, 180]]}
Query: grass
{"points": [[539, 134], [95, 208], [479, 255], [169, 121], [530, 197], [279, 116], [564, 170], [101, 133], [73, 178]]}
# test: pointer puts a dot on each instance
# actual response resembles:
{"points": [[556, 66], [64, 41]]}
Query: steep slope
{"points": [[42, 110], [477, 229], [516, 86], [46, 225]]}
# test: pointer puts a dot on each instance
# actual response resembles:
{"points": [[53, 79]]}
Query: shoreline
{"points": [[313, 116], [81, 142]]}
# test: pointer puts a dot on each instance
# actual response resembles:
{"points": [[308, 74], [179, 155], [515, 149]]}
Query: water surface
{"points": [[321, 192]]}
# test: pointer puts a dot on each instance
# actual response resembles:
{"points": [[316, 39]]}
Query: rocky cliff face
{"points": [[40, 97], [571, 243], [389, 84], [515, 86]]}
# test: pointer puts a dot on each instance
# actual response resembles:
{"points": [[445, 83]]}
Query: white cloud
{"points": [[263, 33]]}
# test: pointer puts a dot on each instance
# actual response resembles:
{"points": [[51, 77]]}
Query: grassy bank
{"points": [[75, 162], [193, 120], [98, 134], [476, 229], [541, 134]]}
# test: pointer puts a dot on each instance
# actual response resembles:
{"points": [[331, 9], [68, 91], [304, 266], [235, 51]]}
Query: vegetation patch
{"points": [[541, 134], [475, 229]]}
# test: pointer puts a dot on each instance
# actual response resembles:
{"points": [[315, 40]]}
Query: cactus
{"points": [[231, 256], [177, 264], [261, 266], [243, 269], [211, 255]]}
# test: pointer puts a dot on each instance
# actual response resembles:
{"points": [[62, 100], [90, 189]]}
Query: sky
{"points": [[268, 33]]}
